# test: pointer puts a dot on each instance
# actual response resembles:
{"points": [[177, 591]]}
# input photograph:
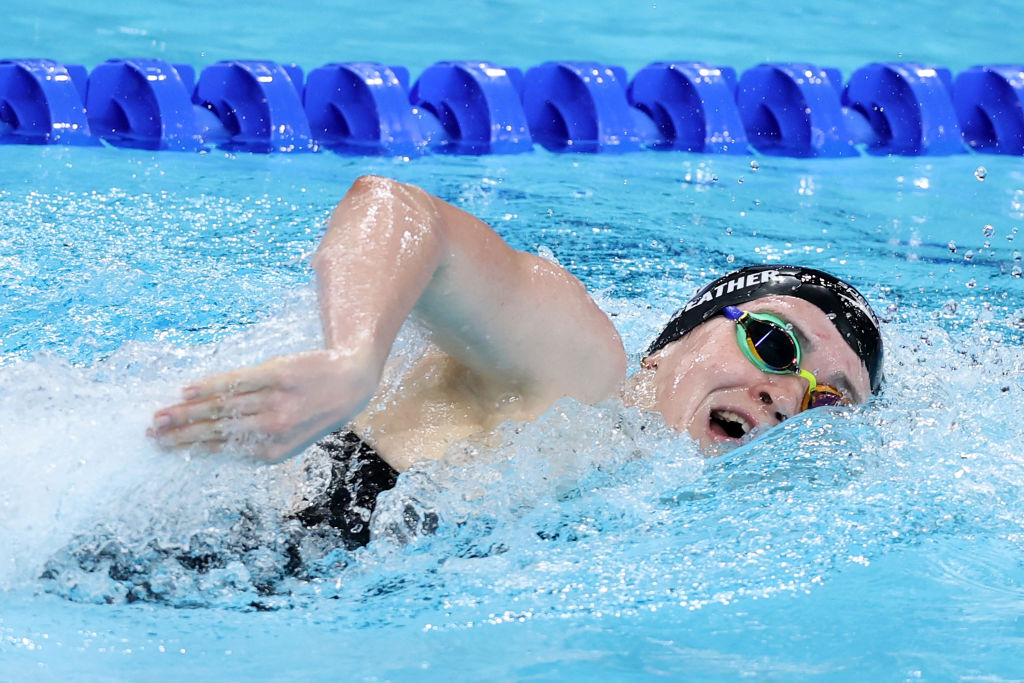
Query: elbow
{"points": [[365, 193], [371, 184]]}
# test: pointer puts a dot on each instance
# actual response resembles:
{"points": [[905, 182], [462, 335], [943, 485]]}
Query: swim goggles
{"points": [[772, 347]]}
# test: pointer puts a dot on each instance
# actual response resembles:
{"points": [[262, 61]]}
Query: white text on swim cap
{"points": [[734, 285]]}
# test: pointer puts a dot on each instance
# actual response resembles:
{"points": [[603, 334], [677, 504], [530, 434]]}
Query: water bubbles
{"points": [[980, 173], [949, 308], [546, 253], [988, 231], [754, 166], [971, 284], [1016, 271], [1017, 202], [728, 231], [730, 258], [968, 255], [951, 246]]}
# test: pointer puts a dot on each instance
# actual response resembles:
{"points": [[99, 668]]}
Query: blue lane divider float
{"points": [[464, 107], [794, 110], [479, 106], [364, 108], [909, 108], [988, 105], [259, 103], [143, 103], [582, 106], [693, 105], [41, 103]]}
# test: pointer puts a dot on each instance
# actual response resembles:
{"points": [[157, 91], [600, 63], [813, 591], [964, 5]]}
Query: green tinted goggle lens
{"points": [[773, 348]]}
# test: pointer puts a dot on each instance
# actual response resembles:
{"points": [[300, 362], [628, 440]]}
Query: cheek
{"points": [[675, 387], [680, 395], [703, 363]]}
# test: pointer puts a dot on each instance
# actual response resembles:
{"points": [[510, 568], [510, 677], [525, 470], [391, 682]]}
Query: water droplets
{"points": [[754, 166], [988, 231], [951, 246], [1016, 271], [980, 173], [546, 253], [968, 255], [1017, 202]]}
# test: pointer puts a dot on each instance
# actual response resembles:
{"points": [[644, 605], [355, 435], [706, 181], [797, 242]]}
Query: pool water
{"points": [[880, 542]]}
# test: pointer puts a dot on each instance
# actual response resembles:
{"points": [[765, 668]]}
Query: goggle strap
{"points": [[732, 313], [810, 380]]}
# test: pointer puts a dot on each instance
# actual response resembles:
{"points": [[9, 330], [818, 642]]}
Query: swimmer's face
{"points": [[704, 384]]}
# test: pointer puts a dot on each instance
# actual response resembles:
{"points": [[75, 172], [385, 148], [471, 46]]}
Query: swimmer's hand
{"points": [[272, 410]]}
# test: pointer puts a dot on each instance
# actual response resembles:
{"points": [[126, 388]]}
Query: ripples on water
{"points": [[114, 298]]}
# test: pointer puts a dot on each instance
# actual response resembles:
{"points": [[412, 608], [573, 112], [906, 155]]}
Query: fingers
{"points": [[190, 434], [239, 407], [209, 432], [213, 408], [241, 381], [271, 410], [249, 433]]}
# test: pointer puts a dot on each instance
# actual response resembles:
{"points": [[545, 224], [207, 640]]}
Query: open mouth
{"points": [[728, 424]]}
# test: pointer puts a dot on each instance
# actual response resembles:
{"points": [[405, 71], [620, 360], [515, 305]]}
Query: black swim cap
{"points": [[848, 310]]}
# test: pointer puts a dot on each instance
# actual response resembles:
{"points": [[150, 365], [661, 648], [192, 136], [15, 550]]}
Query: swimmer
{"points": [[511, 334]]}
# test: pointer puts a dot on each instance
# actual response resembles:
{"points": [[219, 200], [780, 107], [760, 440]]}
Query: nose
{"points": [[779, 396]]}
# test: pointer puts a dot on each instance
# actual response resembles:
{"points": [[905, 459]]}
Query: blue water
{"points": [[883, 542]]}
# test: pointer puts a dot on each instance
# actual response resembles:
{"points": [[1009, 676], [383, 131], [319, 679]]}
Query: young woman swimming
{"points": [[512, 333]]}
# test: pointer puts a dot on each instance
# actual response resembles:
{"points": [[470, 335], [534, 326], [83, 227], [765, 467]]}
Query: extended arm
{"points": [[517, 322]]}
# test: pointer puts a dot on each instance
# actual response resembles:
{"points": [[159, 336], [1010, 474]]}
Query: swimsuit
{"points": [[358, 475], [339, 516]]}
